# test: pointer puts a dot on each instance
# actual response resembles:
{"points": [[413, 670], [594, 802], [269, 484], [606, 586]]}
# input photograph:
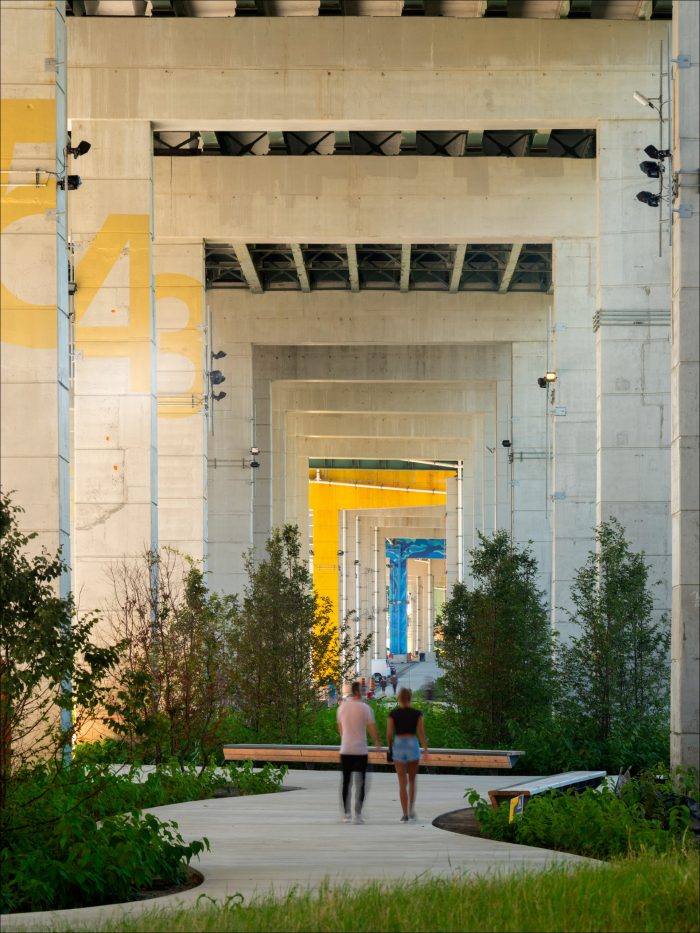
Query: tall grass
{"points": [[641, 894]]}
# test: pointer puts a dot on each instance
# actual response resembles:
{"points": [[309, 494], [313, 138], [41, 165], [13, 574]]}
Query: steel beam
{"points": [[515, 251], [248, 267], [301, 267], [457, 267]]}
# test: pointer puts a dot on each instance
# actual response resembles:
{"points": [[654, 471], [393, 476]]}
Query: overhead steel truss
{"points": [[559, 144], [431, 267], [571, 9]]}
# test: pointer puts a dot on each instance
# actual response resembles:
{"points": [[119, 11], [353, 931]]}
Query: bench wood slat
{"points": [[562, 781], [330, 754]]}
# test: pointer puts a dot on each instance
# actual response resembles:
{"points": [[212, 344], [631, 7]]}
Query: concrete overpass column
{"points": [[231, 488], [182, 397], [34, 297], [573, 418], [116, 478], [685, 392], [633, 352]]}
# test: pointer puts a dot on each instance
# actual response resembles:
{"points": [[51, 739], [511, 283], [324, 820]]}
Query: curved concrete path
{"points": [[276, 841]]}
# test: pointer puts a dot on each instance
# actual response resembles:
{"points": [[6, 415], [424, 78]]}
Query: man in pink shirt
{"points": [[355, 718]]}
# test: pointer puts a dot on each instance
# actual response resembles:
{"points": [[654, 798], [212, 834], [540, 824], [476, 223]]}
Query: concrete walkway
{"points": [[275, 841]]}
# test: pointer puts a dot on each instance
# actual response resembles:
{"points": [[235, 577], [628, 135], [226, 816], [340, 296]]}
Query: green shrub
{"points": [[75, 836], [647, 816]]}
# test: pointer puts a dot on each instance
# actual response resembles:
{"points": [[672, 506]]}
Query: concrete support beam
{"points": [[290, 7], [429, 200], [513, 258], [301, 267], [386, 318], [373, 7], [539, 9], [685, 394], [115, 437], [471, 8], [248, 268], [353, 270], [456, 273], [405, 266], [226, 73]]}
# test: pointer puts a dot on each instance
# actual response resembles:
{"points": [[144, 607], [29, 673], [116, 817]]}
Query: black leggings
{"points": [[352, 763]]}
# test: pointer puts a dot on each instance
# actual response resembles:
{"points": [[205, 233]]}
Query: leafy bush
{"points": [[615, 673], [174, 683], [648, 815], [68, 842], [75, 836], [495, 642]]}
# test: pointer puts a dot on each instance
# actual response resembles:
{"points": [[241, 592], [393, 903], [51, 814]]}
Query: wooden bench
{"points": [[563, 781], [316, 754]]}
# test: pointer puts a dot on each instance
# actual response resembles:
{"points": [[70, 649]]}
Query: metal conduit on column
{"points": [[357, 588], [431, 609], [460, 522], [375, 595]]}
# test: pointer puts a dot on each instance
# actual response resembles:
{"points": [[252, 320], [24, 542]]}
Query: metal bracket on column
{"points": [[683, 61], [684, 211], [560, 410]]}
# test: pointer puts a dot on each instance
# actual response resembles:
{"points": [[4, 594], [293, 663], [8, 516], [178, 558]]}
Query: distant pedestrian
{"points": [[355, 719], [393, 681], [404, 728]]}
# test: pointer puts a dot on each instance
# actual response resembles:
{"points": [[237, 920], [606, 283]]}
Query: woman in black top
{"points": [[404, 728]]}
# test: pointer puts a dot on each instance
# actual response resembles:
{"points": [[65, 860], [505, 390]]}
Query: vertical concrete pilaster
{"points": [[231, 490], [115, 438], [573, 419], [531, 452], [685, 393], [33, 320], [182, 397], [633, 352]]}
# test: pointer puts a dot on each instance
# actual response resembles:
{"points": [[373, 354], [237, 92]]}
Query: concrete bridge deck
{"points": [[273, 842]]}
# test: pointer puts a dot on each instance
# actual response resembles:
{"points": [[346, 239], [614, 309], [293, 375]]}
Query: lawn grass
{"points": [[635, 894]]}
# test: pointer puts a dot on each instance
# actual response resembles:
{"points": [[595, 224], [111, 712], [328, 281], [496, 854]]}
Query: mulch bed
{"points": [[194, 879], [459, 821]]}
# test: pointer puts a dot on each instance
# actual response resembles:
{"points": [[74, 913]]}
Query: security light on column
{"points": [[81, 149]]}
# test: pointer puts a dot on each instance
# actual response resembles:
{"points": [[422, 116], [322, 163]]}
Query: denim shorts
{"points": [[405, 749]]}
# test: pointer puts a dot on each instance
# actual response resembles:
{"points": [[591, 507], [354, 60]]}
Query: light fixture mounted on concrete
{"points": [[81, 149]]}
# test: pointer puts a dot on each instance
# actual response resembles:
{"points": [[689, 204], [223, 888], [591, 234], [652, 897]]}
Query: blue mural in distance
{"points": [[398, 551]]}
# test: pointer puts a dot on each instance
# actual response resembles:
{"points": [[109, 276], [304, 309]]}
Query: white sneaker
{"points": [[412, 817], [347, 818], [358, 818]]}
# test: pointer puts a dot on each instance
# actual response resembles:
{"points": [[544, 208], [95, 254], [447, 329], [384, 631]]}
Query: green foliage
{"points": [[175, 681], [74, 836], [558, 744], [615, 674], [647, 816], [47, 657], [495, 644], [281, 631], [641, 895]]}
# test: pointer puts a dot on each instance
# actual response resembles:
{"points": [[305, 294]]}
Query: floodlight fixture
{"points": [[217, 396], [647, 197], [254, 464], [506, 443], [81, 149], [216, 377], [644, 101], [70, 182], [542, 382], [255, 451], [219, 355], [658, 154], [651, 169], [550, 376]]}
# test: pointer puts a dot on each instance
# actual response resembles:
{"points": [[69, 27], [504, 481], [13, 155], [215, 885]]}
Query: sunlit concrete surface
{"points": [[278, 841]]}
